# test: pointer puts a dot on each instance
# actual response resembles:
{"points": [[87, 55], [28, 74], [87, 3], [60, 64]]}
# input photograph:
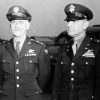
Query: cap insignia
{"points": [[15, 9], [71, 8]]}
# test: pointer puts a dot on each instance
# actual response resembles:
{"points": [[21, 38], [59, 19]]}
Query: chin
{"points": [[71, 34], [17, 33]]}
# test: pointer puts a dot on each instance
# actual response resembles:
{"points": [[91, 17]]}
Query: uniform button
{"points": [[61, 62], [4, 60], [36, 92], [17, 85], [72, 71], [30, 61], [67, 50], [17, 62], [72, 79], [92, 97], [72, 64], [17, 70], [86, 63], [17, 77], [86, 48]]}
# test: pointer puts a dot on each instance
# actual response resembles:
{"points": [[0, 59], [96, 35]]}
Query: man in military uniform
{"points": [[24, 62], [76, 73]]}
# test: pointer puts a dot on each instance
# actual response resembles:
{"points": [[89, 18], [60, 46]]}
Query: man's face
{"points": [[19, 27], [75, 28]]}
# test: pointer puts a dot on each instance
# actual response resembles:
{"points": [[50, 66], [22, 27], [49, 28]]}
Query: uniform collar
{"points": [[79, 41]]}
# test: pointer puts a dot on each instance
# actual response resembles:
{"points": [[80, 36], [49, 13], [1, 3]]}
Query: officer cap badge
{"points": [[71, 8], [16, 9]]}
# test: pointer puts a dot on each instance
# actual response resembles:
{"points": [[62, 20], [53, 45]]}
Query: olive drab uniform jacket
{"points": [[75, 75], [25, 75]]}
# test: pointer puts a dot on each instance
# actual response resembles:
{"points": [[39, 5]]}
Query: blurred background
{"points": [[47, 15]]}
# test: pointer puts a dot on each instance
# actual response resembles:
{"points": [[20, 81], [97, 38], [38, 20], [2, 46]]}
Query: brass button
{"points": [[17, 85], [61, 62], [17, 77], [30, 61], [86, 63], [17, 70], [17, 62], [72, 71], [72, 79], [72, 64]]}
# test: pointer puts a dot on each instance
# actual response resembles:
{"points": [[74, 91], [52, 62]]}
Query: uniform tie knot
{"points": [[75, 47]]}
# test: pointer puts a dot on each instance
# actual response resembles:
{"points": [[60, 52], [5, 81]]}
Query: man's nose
{"points": [[70, 23], [16, 24]]}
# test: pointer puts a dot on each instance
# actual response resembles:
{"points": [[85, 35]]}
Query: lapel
{"points": [[68, 49], [83, 47], [10, 48], [25, 48]]}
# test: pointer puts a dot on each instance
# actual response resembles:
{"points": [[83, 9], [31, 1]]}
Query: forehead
{"points": [[77, 21], [23, 21]]}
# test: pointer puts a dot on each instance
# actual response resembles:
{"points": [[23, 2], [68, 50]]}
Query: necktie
{"points": [[75, 48], [18, 47]]}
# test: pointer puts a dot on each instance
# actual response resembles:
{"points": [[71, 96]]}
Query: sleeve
{"points": [[1, 73], [57, 79], [97, 78], [44, 68]]}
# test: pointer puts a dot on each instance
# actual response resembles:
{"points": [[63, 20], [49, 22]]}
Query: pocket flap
{"points": [[32, 88]]}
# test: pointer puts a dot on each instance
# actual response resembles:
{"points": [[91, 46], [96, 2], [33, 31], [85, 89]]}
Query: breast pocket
{"points": [[87, 61], [65, 63], [30, 64], [5, 64], [32, 88], [86, 66]]}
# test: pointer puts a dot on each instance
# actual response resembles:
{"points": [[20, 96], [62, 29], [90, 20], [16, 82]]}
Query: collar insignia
{"points": [[46, 51]]}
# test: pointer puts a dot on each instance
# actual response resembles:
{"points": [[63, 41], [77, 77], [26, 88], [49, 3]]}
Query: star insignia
{"points": [[71, 8], [16, 9]]}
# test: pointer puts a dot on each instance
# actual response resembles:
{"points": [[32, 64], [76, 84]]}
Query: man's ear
{"points": [[28, 25], [10, 25], [86, 24]]}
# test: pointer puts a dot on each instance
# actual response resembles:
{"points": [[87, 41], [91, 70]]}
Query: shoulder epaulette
{"points": [[36, 41], [95, 40], [3, 41]]}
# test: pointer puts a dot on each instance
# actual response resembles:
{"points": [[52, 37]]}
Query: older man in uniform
{"points": [[24, 62], [76, 73]]}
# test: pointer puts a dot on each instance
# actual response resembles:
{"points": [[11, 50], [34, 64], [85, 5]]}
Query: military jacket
{"points": [[75, 75], [23, 75]]}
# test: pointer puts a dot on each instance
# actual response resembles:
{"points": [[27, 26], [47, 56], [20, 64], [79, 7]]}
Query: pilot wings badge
{"points": [[31, 53], [89, 53]]}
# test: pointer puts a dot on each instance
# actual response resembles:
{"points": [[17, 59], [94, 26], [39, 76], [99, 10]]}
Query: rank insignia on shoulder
{"points": [[36, 41], [3, 41], [40, 42], [95, 40]]}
